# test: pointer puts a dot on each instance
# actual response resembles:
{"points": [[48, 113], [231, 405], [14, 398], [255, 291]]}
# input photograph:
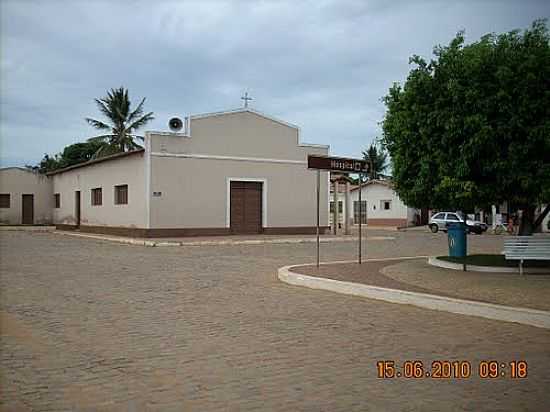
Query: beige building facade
{"points": [[25, 197], [73, 190], [236, 172], [381, 206]]}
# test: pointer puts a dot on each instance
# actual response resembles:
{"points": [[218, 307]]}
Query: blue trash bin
{"points": [[456, 234]]}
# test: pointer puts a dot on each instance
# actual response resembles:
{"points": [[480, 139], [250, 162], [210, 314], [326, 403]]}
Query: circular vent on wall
{"points": [[175, 124]]}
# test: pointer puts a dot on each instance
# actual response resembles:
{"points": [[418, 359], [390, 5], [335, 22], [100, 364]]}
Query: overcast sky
{"points": [[322, 65]]}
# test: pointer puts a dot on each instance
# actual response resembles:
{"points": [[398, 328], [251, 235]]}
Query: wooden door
{"points": [[77, 207], [28, 209], [246, 207]]}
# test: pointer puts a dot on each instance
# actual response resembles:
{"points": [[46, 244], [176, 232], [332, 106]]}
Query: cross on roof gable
{"points": [[243, 110]]}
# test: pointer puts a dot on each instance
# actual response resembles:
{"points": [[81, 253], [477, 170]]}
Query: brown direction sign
{"points": [[337, 164]]}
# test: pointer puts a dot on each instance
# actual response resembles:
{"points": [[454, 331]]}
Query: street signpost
{"points": [[337, 164], [344, 165]]}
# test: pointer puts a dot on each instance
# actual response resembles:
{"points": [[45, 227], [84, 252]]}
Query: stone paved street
{"points": [[90, 325]]}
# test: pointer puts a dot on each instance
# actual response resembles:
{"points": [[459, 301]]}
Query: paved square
{"points": [[91, 325]]}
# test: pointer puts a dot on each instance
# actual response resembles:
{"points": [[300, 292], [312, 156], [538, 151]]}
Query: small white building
{"points": [[25, 197], [382, 206]]}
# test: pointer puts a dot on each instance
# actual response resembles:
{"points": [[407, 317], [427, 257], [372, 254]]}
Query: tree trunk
{"points": [[541, 217], [527, 223]]}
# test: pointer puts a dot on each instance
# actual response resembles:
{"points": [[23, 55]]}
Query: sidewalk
{"points": [[527, 291], [222, 240], [27, 228], [500, 296], [422, 228]]}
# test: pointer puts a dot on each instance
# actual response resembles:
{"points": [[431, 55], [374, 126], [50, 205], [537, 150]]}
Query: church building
{"points": [[232, 172]]}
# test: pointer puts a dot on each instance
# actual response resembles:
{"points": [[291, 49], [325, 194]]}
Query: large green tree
{"points": [[79, 152], [472, 126], [121, 122]]}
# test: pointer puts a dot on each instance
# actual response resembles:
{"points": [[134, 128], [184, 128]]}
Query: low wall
{"points": [[387, 222]]}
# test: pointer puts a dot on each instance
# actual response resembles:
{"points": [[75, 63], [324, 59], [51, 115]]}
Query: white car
{"points": [[440, 220]]}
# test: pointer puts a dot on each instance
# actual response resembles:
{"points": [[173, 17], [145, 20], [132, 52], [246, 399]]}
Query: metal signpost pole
{"points": [[342, 165], [318, 218], [360, 212], [370, 172]]}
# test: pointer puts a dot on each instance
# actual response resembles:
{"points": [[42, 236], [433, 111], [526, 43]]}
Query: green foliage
{"points": [[122, 122], [49, 163], [378, 159], [79, 152], [71, 155], [472, 126]]}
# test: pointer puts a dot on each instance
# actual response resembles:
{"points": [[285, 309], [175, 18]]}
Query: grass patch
{"points": [[495, 260]]}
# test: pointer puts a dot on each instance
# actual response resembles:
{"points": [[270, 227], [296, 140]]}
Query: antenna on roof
{"points": [[246, 99]]}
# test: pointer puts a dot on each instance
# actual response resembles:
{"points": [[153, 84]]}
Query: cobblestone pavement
{"points": [[89, 325]]}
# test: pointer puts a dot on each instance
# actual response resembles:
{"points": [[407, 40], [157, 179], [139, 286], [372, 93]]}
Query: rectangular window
{"points": [[97, 197], [121, 195], [363, 211], [57, 199], [4, 200], [385, 204], [340, 207]]}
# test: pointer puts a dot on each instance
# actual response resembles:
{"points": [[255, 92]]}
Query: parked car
{"points": [[440, 220]]}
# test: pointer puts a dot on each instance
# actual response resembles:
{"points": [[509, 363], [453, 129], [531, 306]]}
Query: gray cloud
{"points": [[323, 65]]}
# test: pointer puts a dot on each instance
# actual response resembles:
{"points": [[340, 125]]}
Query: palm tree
{"points": [[122, 123], [378, 160]]}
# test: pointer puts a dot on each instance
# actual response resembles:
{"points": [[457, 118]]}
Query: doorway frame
{"points": [[228, 197], [23, 195], [77, 207]]}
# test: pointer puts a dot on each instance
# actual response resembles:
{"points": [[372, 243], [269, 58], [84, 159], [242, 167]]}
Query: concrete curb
{"points": [[221, 242], [434, 261], [128, 241], [23, 228], [532, 317]]}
